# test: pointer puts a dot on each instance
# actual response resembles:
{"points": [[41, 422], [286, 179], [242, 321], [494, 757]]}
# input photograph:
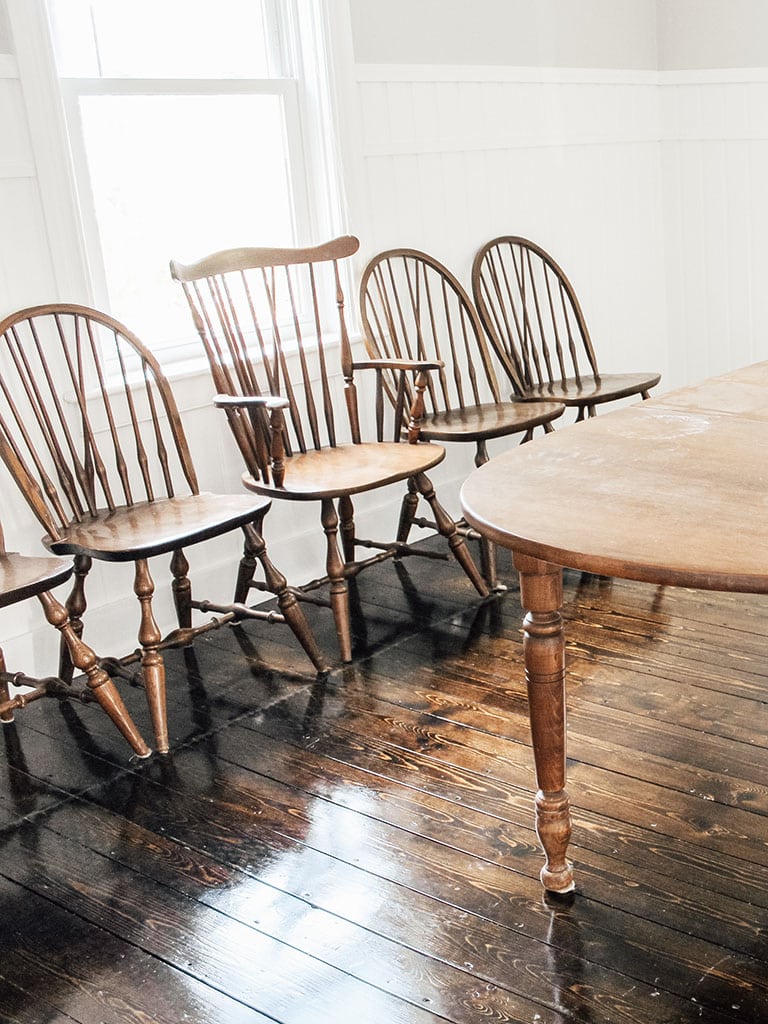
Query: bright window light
{"points": [[187, 130]]}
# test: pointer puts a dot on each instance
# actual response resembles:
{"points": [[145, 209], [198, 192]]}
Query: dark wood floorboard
{"points": [[361, 848]]}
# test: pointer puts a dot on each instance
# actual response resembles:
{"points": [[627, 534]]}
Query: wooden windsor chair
{"points": [[21, 578], [92, 436], [532, 316], [272, 322], [412, 307]]}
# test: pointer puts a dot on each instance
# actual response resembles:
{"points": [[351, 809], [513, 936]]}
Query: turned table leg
{"points": [[541, 593]]}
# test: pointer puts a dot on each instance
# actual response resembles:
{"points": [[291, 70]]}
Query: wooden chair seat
{"points": [[23, 576], [481, 422], [155, 528], [349, 469], [590, 390]]}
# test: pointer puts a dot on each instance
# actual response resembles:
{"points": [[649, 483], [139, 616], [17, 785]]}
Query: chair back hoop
{"points": [[88, 420], [530, 312], [270, 321], [413, 308]]}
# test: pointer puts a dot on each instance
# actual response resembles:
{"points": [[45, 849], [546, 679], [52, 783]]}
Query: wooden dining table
{"points": [[670, 491]]}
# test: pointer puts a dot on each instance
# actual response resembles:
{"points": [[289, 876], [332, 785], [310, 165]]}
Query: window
{"points": [[193, 127]]}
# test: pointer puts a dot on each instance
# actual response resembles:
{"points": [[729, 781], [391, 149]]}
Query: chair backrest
{"points": [[270, 321], [531, 313], [88, 421], [413, 307]]}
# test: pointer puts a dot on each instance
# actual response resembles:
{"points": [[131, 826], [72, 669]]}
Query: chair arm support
{"points": [[275, 404], [402, 396]]}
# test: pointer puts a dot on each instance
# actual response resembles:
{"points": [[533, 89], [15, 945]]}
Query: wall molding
{"points": [[496, 73], [556, 76]]}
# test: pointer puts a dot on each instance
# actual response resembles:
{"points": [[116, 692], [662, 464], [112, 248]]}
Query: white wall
{"points": [[712, 34], [513, 33], [6, 42], [549, 119], [713, 56]]}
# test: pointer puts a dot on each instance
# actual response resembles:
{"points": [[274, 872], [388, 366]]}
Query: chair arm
{"points": [[251, 444], [420, 368], [249, 401], [398, 364]]}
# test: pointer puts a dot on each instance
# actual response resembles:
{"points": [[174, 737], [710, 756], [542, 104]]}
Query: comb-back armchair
{"points": [[92, 436], [533, 318], [272, 322]]}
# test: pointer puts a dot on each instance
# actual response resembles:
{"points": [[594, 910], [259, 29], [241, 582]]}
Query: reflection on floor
{"points": [[360, 848]]}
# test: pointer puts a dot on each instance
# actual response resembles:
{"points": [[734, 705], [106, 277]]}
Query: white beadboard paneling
{"points": [[572, 163], [715, 215], [647, 187]]}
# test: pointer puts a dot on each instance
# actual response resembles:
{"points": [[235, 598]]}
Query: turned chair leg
{"points": [[75, 606], [335, 571], [488, 564], [407, 511], [182, 589], [347, 527], [253, 540], [5, 693], [447, 528], [286, 599], [152, 665], [85, 661], [487, 548]]}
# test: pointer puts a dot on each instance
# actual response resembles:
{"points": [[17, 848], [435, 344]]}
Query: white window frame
{"points": [[302, 37]]}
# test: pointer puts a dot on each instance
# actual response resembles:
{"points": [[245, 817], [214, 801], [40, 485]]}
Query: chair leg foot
{"points": [[447, 528], [102, 687], [256, 549], [295, 618], [153, 669]]}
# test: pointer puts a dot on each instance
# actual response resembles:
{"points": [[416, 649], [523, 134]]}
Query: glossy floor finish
{"points": [[362, 851]]}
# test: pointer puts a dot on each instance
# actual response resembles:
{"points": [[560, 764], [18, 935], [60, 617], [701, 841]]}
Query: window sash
{"points": [[300, 34], [74, 89]]}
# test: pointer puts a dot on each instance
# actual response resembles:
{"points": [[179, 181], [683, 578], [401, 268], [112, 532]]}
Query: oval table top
{"points": [[673, 490]]}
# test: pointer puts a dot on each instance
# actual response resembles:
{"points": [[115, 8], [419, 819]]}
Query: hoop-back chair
{"points": [[533, 318], [272, 322], [92, 436], [413, 307], [23, 577]]}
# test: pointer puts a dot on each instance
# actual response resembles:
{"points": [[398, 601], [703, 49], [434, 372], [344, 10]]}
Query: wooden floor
{"points": [[362, 851]]}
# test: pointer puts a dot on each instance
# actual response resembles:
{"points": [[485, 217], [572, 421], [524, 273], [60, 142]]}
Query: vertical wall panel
{"points": [[572, 162], [715, 219]]}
